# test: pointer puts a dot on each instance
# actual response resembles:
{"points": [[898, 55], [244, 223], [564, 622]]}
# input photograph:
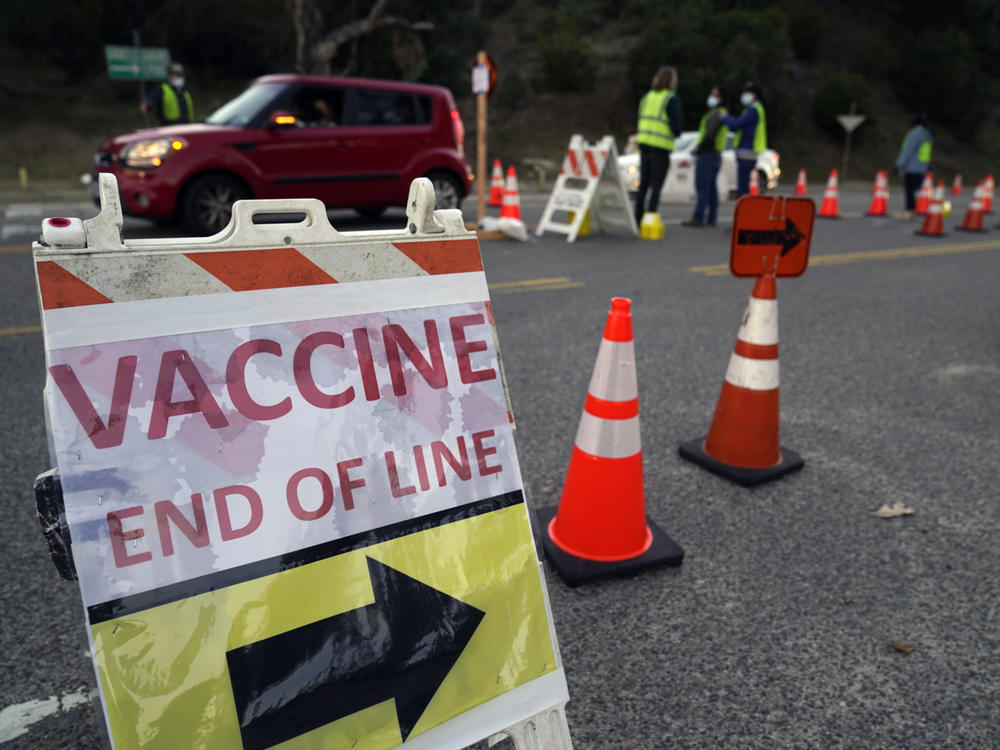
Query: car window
{"points": [[383, 107], [248, 106], [317, 106], [686, 141]]}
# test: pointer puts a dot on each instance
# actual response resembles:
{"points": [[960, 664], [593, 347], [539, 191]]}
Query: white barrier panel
{"points": [[289, 473]]}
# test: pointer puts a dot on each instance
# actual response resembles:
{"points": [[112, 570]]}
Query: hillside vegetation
{"points": [[565, 66]]}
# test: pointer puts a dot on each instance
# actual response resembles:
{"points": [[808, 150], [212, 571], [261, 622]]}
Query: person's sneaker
{"points": [[904, 216], [692, 223]]}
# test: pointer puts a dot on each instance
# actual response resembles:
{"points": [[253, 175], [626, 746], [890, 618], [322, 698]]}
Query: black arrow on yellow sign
{"points": [[788, 237], [400, 647]]}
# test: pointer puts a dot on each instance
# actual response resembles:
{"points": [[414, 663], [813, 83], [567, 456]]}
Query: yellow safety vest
{"points": [[759, 134], [654, 125], [720, 135], [171, 108]]}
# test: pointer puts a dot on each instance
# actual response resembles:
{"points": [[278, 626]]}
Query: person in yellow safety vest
{"points": [[659, 122], [914, 160], [751, 136], [170, 101], [712, 136]]}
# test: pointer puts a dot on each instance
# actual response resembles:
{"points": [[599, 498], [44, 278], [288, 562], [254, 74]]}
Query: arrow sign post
{"points": [[771, 234], [401, 647], [849, 123]]}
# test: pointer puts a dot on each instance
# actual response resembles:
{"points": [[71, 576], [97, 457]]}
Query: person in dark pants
{"points": [[914, 160], [751, 134], [708, 158], [659, 122]]}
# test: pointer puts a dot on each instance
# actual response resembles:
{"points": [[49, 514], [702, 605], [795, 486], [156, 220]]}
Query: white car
{"points": [[679, 185]]}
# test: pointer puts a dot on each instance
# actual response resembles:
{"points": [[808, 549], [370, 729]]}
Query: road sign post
{"points": [[849, 123]]}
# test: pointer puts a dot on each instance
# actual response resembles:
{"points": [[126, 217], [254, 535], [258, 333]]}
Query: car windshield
{"points": [[686, 141], [247, 106]]}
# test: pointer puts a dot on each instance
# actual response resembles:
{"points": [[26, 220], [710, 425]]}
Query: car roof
{"points": [[375, 83]]}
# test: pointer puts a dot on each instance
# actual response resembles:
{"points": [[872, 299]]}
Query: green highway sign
{"points": [[137, 63]]}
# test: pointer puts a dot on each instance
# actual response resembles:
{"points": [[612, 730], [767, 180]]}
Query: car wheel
{"points": [[447, 190], [209, 200], [370, 212]]}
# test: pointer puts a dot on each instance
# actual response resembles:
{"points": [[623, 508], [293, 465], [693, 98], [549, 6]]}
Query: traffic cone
{"points": [[496, 184], [880, 195], [973, 221], [829, 209], [933, 221], [743, 442], [600, 527], [989, 187], [511, 207], [800, 184], [754, 183], [925, 194], [956, 186]]}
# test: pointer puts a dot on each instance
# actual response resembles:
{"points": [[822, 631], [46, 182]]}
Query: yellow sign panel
{"points": [[314, 631]]}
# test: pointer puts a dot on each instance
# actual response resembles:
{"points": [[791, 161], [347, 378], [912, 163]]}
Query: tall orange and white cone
{"points": [[934, 221], [973, 221], [600, 527], [511, 208], [925, 195], [990, 187], [956, 186], [829, 209], [800, 183], [743, 440], [754, 183], [496, 184], [880, 195]]}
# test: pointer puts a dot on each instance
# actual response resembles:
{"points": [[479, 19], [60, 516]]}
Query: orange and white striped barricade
{"points": [[600, 528], [589, 181], [288, 469], [770, 238]]}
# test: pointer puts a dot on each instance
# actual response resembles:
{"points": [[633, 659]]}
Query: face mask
{"points": [[177, 83], [712, 101], [746, 98]]}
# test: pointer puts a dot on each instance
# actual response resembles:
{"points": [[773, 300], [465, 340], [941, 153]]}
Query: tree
{"points": [[315, 50]]}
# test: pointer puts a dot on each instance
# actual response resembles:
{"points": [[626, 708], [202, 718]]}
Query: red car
{"points": [[351, 142]]}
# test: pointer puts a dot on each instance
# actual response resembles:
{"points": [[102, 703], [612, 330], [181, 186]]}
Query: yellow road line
{"points": [[16, 249], [16, 331], [837, 259], [535, 285]]}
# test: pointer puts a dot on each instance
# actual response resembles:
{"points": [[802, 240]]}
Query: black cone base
{"points": [[576, 570], [693, 451], [963, 229]]}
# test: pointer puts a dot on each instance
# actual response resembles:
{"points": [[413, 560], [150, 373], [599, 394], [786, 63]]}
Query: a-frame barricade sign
{"points": [[589, 181], [287, 461]]}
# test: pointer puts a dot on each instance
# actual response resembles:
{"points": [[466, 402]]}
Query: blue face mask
{"points": [[746, 98]]}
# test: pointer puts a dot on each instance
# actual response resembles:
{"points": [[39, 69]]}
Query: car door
{"points": [[307, 158], [387, 130]]}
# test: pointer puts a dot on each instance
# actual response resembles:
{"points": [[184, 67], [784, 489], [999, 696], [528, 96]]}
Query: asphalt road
{"points": [[776, 630]]}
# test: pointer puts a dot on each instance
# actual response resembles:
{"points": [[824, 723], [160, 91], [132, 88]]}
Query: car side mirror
{"points": [[281, 119]]}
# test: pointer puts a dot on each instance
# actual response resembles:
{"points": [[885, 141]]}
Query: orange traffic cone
{"points": [[880, 195], [829, 209], [956, 186], [743, 443], [988, 188], [511, 208], [800, 184], [925, 194], [496, 184], [754, 183], [933, 221], [600, 528], [973, 221]]}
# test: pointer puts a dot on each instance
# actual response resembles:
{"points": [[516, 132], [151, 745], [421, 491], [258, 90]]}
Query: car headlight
{"points": [[151, 154]]}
